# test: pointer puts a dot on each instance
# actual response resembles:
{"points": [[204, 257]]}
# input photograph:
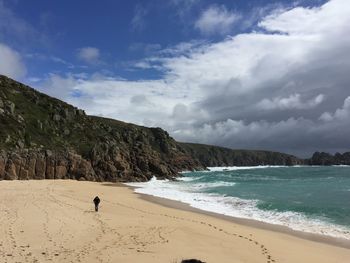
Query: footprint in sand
{"points": [[264, 251]]}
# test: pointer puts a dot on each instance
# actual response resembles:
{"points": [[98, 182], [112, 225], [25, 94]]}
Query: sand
{"points": [[55, 221]]}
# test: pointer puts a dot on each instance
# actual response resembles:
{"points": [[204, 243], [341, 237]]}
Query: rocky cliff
{"points": [[44, 138], [211, 156], [322, 158]]}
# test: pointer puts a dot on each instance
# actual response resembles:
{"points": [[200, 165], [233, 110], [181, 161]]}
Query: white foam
{"points": [[235, 207], [234, 168], [187, 179], [212, 185], [185, 172]]}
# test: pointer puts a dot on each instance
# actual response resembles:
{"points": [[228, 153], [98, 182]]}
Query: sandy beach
{"points": [[55, 221]]}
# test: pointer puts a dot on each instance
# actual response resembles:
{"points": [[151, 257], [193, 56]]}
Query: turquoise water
{"points": [[311, 199], [319, 192]]}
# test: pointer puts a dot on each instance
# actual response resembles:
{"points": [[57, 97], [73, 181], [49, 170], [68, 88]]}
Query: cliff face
{"points": [[45, 138], [322, 158], [218, 156]]}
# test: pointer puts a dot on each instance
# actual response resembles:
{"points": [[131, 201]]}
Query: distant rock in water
{"points": [[322, 158], [44, 138]]}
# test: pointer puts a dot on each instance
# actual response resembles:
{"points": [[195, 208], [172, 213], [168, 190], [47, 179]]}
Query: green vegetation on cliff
{"points": [[212, 156]]}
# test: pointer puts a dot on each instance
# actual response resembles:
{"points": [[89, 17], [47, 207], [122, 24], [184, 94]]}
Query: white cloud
{"points": [[138, 20], [184, 3], [61, 87], [183, 48], [34, 79], [13, 28], [309, 21], [183, 8], [11, 63], [115, 98], [147, 48], [216, 20], [89, 54], [209, 91], [51, 58], [340, 114], [292, 102], [142, 65]]}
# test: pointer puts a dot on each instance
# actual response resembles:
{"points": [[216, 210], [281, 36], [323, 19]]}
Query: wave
{"points": [[188, 178], [234, 168], [201, 186], [236, 207]]}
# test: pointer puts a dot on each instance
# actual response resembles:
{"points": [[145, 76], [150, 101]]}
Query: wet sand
{"points": [[55, 221]]}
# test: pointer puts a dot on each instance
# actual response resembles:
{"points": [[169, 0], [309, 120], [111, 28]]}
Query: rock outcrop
{"points": [[322, 158], [25, 164]]}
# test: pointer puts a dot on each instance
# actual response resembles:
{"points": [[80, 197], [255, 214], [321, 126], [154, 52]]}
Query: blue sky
{"points": [[243, 74], [122, 31]]}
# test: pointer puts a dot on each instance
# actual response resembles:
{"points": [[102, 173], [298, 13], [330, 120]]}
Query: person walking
{"points": [[96, 202]]}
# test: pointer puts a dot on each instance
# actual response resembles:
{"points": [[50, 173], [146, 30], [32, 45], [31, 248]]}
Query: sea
{"points": [[314, 199]]}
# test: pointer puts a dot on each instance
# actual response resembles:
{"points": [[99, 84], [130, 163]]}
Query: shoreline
{"points": [[324, 239]]}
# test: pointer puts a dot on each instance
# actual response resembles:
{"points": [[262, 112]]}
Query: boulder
{"points": [[40, 167], [10, 171], [50, 168], [23, 174], [9, 107], [60, 172], [56, 117], [2, 166]]}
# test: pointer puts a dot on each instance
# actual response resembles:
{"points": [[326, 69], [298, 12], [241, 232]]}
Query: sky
{"points": [[259, 74]]}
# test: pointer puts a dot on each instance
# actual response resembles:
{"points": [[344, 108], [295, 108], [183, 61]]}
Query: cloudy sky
{"points": [[259, 74]]}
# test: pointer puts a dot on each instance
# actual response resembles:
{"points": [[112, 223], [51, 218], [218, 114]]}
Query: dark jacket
{"points": [[97, 200]]}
